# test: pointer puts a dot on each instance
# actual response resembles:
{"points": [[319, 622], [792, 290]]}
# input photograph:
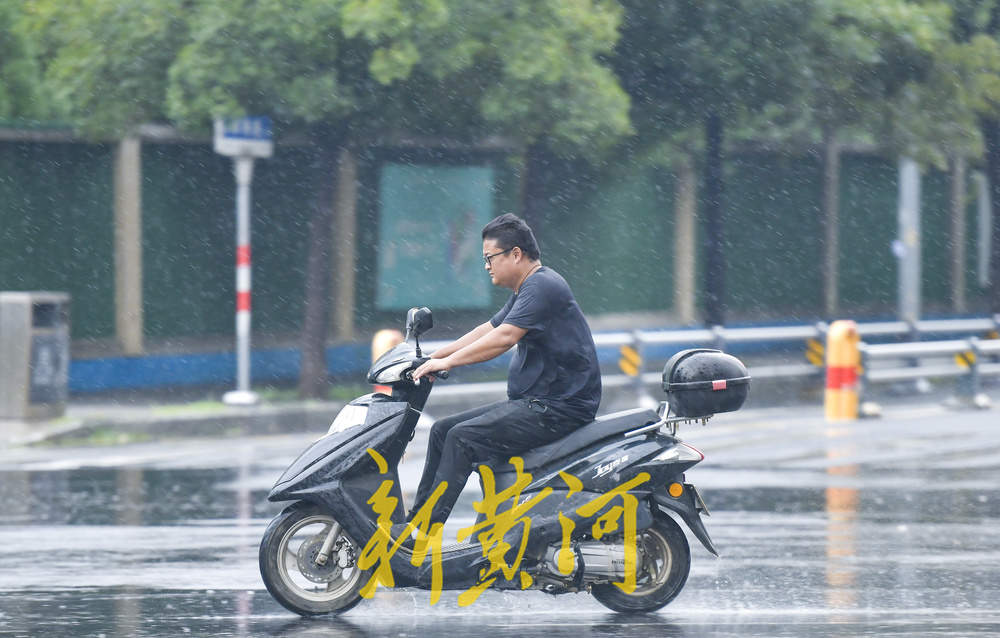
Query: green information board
{"points": [[430, 248]]}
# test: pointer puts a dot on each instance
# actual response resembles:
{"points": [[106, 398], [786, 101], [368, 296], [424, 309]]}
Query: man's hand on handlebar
{"points": [[430, 367]]}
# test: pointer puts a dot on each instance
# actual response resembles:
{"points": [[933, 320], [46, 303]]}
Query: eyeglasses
{"points": [[487, 258]]}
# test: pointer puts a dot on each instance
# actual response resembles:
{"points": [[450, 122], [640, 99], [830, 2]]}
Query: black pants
{"points": [[459, 443]]}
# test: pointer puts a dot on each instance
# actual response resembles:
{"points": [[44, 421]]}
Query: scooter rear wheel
{"points": [[663, 564], [291, 573]]}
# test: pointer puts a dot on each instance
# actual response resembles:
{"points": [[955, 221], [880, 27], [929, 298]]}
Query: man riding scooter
{"points": [[613, 530], [554, 382]]}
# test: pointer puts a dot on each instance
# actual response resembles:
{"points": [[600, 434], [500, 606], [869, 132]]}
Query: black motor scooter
{"points": [[603, 500]]}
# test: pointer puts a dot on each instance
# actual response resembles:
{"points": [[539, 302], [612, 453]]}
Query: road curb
{"points": [[171, 421]]}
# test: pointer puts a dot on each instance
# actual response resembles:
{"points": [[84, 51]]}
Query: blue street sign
{"points": [[246, 136]]}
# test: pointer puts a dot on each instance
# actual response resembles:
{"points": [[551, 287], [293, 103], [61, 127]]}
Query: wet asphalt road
{"points": [[873, 528]]}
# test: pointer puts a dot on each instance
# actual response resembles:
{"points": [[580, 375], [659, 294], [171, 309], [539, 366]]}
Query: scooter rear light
{"points": [[680, 452]]}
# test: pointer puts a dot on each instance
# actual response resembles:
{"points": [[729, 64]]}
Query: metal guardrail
{"points": [[951, 358], [643, 341]]}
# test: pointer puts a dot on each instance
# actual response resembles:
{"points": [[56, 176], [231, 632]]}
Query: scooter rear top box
{"points": [[701, 382]]}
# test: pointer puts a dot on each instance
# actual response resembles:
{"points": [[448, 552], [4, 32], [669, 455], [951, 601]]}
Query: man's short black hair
{"points": [[509, 231]]}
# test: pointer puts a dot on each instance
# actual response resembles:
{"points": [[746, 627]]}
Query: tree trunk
{"points": [[831, 224], [533, 184], [991, 138], [344, 258], [312, 374], [715, 261], [958, 234]]}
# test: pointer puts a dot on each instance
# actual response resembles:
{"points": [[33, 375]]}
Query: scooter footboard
{"points": [[687, 507]]}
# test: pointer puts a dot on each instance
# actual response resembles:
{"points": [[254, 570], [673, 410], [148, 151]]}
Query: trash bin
{"points": [[34, 354]]}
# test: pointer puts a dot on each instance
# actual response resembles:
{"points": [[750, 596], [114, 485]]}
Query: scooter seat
{"points": [[601, 428]]}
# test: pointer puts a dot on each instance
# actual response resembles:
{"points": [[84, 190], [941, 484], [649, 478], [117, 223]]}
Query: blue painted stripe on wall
{"points": [[351, 360], [217, 368]]}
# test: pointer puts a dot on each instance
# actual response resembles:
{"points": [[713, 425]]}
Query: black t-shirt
{"points": [[556, 361]]}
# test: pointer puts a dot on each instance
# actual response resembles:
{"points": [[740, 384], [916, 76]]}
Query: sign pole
{"points": [[243, 139], [243, 169]]}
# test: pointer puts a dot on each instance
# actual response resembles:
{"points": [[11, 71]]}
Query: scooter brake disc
{"points": [[308, 566]]}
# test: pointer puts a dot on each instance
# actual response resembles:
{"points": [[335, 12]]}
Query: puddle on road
{"points": [[138, 496], [126, 496]]}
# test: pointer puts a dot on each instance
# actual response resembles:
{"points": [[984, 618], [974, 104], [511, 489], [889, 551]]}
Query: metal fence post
{"points": [[640, 389], [996, 334], [974, 367], [719, 337], [863, 371]]}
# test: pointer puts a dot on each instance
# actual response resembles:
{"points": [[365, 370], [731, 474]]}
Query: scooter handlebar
{"points": [[440, 374]]}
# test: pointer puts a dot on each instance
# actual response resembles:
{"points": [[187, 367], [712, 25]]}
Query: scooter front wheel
{"points": [[664, 560], [295, 570]]}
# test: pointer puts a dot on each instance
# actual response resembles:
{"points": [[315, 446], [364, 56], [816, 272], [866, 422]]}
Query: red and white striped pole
{"points": [[243, 167]]}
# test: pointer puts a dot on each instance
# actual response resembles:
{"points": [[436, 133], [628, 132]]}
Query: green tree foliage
{"points": [[968, 64], [682, 59], [862, 55], [106, 61], [778, 70], [524, 69], [881, 66], [784, 69], [21, 93]]}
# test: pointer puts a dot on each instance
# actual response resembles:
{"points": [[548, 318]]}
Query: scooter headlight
{"points": [[350, 416], [393, 373]]}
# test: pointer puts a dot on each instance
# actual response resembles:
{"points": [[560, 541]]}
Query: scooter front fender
{"points": [[335, 455], [686, 506]]}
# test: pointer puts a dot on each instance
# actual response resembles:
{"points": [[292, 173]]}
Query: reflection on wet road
{"points": [[250, 614], [883, 527]]}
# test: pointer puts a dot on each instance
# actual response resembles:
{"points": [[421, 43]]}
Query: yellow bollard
{"points": [[842, 362], [382, 342]]}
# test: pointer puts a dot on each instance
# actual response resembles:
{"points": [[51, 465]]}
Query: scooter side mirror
{"points": [[418, 321]]}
